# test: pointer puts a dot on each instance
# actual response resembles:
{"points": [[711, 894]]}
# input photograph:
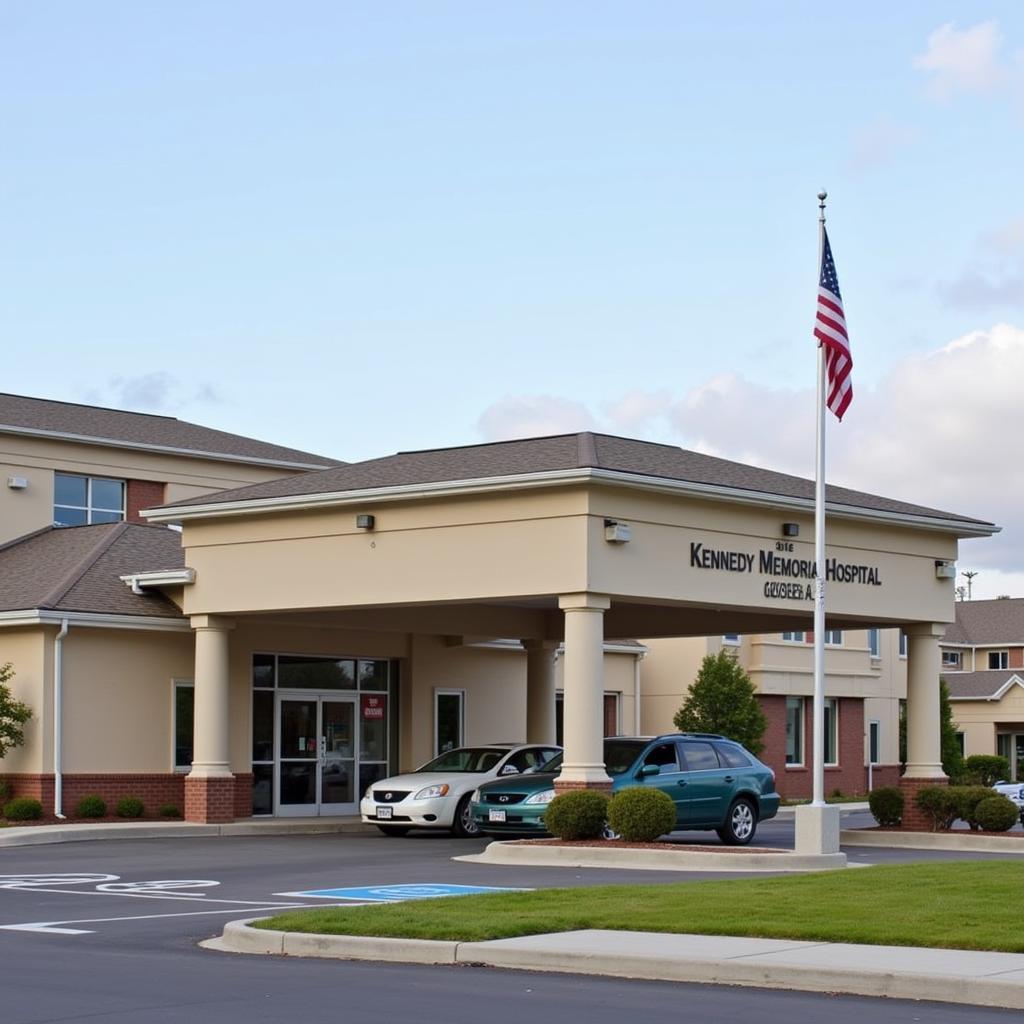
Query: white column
{"points": [[540, 691], [211, 756], [583, 691], [924, 665]]}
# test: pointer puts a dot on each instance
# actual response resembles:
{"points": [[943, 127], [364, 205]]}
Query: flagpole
{"points": [[818, 709]]}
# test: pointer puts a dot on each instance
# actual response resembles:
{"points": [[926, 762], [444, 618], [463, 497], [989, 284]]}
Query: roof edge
{"points": [[107, 620], [448, 488]]}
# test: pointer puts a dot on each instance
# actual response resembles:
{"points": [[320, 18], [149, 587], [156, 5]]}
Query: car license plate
{"points": [[384, 812], [496, 816]]}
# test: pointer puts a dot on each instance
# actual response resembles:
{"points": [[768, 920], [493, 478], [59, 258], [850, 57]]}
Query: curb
{"points": [[789, 810], [995, 980], [969, 842], [651, 860]]}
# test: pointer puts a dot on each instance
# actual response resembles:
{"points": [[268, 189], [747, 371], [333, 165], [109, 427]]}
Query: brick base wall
{"points": [[211, 801], [243, 795], [914, 819]]}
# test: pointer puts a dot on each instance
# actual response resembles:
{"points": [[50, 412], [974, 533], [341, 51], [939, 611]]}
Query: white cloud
{"points": [[533, 416], [638, 410], [158, 391], [965, 60]]}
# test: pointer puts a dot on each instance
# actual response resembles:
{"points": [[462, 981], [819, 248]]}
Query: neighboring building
{"points": [[865, 680], [983, 665]]}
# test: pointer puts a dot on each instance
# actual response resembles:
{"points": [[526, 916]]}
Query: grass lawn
{"points": [[958, 905]]}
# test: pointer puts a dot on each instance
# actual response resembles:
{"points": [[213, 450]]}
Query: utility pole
{"points": [[969, 575]]}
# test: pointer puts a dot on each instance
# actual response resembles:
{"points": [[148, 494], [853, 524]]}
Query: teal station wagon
{"points": [[714, 782]]}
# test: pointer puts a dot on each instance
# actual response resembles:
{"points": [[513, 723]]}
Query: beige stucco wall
{"points": [[37, 459], [981, 720], [118, 698], [666, 674], [28, 651]]}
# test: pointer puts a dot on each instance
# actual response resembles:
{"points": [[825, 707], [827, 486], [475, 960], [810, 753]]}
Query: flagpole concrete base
{"points": [[817, 829]]}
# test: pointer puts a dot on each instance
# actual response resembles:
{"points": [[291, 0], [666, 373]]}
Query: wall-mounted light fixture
{"points": [[17, 483], [616, 532], [945, 570], [365, 522], [790, 529]]}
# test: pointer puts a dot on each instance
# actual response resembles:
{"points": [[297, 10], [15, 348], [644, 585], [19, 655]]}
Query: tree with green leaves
{"points": [[723, 699], [952, 759], [13, 714]]}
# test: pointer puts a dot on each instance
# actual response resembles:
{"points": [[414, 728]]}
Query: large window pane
{"points": [[831, 715], [448, 721], [263, 725], [107, 494], [70, 490], [70, 516], [316, 673], [262, 789], [262, 670], [105, 517], [184, 711], [794, 730], [373, 675]]}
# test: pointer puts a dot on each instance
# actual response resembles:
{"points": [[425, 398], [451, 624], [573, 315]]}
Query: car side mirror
{"points": [[650, 769]]}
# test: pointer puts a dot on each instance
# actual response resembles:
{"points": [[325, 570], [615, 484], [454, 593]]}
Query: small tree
{"points": [[722, 699], [952, 759], [13, 714]]}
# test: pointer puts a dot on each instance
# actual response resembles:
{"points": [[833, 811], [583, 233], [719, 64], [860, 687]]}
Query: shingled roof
{"points": [[979, 685], [93, 424], [561, 453], [999, 621], [79, 569]]}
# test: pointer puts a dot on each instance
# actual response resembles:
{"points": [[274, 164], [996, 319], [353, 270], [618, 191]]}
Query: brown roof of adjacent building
{"points": [[79, 569], [978, 685], [999, 621], [20, 414], [561, 453]]}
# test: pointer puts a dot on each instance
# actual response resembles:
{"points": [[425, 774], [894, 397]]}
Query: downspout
{"points": [[637, 728], [58, 692]]}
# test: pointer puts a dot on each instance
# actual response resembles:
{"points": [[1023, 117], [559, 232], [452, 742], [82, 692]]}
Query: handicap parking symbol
{"points": [[399, 893]]}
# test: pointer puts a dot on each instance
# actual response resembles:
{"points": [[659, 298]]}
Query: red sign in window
{"points": [[374, 705]]}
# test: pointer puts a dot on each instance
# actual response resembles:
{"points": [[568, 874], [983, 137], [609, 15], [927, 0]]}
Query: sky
{"points": [[357, 229]]}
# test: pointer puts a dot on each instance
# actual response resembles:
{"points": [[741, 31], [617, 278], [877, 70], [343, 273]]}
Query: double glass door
{"points": [[318, 766]]}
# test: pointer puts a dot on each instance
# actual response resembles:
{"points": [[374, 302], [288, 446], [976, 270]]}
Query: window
{"points": [[731, 639], [184, 717], [834, 637], [794, 730], [664, 756], [795, 637], [831, 731], [81, 500], [730, 756], [874, 735], [449, 719], [950, 659], [998, 659], [874, 643], [903, 644], [960, 743], [700, 757]]}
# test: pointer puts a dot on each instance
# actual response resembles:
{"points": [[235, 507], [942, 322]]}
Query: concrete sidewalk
{"points": [[901, 972]]}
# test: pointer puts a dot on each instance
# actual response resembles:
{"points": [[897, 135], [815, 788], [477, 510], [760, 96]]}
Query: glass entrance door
{"points": [[317, 767]]}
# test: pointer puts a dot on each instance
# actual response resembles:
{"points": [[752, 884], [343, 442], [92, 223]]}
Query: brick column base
{"points": [[571, 786], [210, 800], [914, 819]]}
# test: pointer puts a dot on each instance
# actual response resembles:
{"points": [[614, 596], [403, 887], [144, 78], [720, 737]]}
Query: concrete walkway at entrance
{"points": [[903, 972], [77, 832]]}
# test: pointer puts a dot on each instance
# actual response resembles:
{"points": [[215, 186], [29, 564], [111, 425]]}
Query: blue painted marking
{"points": [[398, 893]]}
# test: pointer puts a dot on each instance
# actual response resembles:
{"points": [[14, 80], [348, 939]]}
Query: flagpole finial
{"points": [[822, 196]]}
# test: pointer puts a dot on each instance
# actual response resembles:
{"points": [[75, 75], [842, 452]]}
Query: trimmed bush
{"points": [[23, 808], [91, 807], [967, 800], [580, 814], [886, 805], [940, 803], [169, 811], [129, 807], [986, 769], [5, 791], [641, 813], [996, 813]]}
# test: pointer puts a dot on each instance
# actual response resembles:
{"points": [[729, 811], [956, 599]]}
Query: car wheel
{"points": [[394, 830], [465, 826], [740, 824]]}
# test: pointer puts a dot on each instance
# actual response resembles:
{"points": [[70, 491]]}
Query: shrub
{"points": [[23, 808], [986, 769], [129, 807], [967, 800], [577, 815], [640, 814], [886, 805], [941, 803], [996, 813], [5, 791], [91, 807], [169, 811]]}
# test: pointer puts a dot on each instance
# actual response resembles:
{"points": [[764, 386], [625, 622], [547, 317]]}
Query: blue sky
{"points": [[363, 228]]}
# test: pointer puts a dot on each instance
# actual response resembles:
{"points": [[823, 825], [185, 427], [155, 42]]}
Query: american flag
{"points": [[830, 330]]}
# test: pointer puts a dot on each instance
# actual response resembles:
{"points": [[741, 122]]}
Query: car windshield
{"points": [[465, 759], [618, 756]]}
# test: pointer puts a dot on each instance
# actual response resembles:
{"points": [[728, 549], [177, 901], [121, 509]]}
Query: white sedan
{"points": [[437, 795], [1013, 791]]}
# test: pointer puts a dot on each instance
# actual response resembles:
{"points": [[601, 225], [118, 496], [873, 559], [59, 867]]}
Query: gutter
{"points": [[58, 724], [138, 581]]}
